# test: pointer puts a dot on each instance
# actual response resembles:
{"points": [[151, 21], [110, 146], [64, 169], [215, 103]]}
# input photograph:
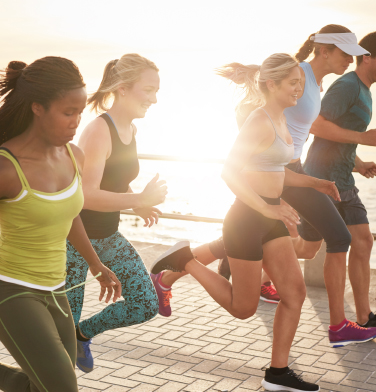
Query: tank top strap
{"points": [[73, 158], [8, 154], [270, 120]]}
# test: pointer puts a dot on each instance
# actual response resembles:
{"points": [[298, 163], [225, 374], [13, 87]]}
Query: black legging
{"points": [[320, 216], [40, 338]]}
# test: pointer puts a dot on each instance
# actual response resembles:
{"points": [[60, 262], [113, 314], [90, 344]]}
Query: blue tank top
{"points": [[301, 116]]}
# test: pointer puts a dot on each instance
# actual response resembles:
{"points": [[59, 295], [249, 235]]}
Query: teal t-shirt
{"points": [[348, 104]]}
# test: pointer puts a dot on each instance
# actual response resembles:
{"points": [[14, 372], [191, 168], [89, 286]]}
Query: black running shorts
{"points": [[245, 230]]}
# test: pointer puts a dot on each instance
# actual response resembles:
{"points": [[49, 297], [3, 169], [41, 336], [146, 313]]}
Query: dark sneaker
{"points": [[371, 321], [174, 259], [85, 361], [288, 381], [224, 268], [269, 293], [351, 333], [164, 295]]}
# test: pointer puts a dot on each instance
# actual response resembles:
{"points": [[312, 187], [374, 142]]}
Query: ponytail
{"points": [[100, 98], [310, 46], [305, 50], [246, 77], [252, 78]]}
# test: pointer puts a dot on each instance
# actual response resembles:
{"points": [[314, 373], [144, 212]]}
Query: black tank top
{"points": [[121, 169]]}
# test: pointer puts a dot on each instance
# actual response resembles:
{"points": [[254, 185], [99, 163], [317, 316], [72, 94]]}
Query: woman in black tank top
{"points": [[111, 164]]}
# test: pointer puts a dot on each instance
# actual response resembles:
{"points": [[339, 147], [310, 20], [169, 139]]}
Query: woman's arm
{"points": [[148, 214], [96, 144], [255, 136], [305, 181]]}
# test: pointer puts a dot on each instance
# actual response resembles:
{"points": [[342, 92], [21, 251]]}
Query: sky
{"points": [[187, 40]]}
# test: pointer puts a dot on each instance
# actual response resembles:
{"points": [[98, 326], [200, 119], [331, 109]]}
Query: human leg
{"points": [[322, 220], [282, 265], [359, 269], [77, 269], [140, 302], [205, 254], [40, 338]]}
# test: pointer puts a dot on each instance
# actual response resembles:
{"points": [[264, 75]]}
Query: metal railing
{"points": [[193, 218]]}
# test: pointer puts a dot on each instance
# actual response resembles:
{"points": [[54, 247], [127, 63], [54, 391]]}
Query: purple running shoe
{"points": [[351, 333], [164, 295]]}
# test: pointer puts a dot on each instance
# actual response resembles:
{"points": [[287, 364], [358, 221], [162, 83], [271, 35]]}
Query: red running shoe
{"points": [[164, 295], [269, 293]]}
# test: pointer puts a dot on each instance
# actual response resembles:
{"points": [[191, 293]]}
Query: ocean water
{"points": [[197, 188]]}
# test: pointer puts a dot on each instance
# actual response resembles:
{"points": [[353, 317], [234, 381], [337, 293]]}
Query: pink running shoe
{"points": [[351, 333], [164, 295], [269, 293]]}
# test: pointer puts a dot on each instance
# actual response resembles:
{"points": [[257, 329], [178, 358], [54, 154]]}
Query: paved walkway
{"points": [[201, 348]]}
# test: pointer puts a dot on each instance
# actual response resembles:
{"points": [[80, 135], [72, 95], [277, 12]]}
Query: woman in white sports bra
{"points": [[254, 231]]}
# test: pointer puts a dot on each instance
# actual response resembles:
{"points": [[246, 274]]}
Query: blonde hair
{"points": [[123, 72], [253, 78]]}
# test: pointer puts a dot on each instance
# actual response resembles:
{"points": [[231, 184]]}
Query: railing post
{"points": [[314, 269]]}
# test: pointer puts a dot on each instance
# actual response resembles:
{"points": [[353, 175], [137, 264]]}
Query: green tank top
{"points": [[33, 231]]}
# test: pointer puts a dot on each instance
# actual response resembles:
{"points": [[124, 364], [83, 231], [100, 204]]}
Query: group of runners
{"points": [[60, 205]]}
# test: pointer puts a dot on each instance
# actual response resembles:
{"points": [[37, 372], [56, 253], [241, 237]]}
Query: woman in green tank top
{"points": [[40, 199]]}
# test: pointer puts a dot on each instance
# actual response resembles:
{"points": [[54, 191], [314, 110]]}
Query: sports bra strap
{"points": [[73, 158], [270, 120], [8, 154]]}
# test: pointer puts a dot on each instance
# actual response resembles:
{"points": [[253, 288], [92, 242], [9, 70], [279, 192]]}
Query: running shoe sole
{"points": [[179, 246], [270, 301], [346, 342], [276, 387]]}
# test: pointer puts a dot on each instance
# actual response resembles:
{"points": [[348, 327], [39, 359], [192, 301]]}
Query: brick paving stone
{"points": [[171, 386], [153, 370], [334, 377], [213, 348], [199, 386], [228, 374], [306, 359], [145, 388], [226, 385], [232, 365], [359, 375], [180, 367], [237, 347], [252, 384], [117, 388], [147, 380]]}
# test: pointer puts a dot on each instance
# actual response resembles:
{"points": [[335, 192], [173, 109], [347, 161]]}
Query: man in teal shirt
{"points": [[346, 112]]}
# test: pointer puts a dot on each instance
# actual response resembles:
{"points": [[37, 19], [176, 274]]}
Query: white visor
{"points": [[347, 42]]}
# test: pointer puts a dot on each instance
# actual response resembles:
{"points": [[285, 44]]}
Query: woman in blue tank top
{"points": [[111, 164]]}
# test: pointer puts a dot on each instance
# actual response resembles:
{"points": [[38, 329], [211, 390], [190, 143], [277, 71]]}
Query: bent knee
{"points": [[340, 243], [295, 297], [310, 249], [243, 313]]}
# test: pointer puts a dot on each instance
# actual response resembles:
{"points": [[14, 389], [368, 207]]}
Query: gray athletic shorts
{"points": [[351, 208]]}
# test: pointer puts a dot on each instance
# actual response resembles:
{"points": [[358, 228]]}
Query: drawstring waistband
{"points": [[53, 293]]}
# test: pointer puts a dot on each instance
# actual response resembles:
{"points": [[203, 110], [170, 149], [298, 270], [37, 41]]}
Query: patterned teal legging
{"points": [[140, 302]]}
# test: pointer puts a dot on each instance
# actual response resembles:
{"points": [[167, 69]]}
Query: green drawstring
{"points": [[56, 292], [74, 287]]}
